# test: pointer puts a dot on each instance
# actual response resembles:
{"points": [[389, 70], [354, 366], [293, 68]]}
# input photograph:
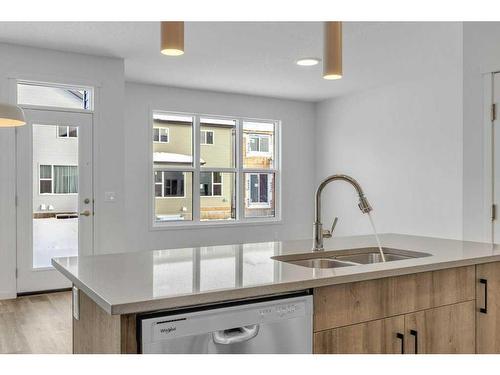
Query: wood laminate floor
{"points": [[38, 324]]}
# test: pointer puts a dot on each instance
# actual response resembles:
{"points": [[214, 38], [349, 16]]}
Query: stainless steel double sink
{"points": [[346, 258]]}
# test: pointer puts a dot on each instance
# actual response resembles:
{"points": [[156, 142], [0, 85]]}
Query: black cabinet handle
{"points": [[402, 338], [415, 334], [484, 309]]}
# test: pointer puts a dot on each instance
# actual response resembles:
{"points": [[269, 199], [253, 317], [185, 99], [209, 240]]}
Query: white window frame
{"points": [[221, 183], [259, 137], [162, 183], [259, 204], [238, 170], [52, 178], [167, 130], [67, 132], [203, 139]]}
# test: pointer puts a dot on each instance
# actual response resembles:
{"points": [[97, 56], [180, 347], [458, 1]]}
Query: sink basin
{"points": [[368, 258], [321, 263], [346, 258]]}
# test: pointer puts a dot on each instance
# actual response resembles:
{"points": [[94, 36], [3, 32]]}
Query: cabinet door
{"points": [[384, 336], [442, 330], [488, 308]]}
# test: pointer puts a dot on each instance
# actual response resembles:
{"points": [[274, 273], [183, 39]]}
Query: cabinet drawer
{"points": [[375, 337], [346, 304]]}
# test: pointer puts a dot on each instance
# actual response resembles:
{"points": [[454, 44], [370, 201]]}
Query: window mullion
{"points": [[196, 173], [240, 189]]}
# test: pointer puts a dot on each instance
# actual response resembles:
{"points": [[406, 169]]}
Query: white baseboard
{"points": [[8, 295]]}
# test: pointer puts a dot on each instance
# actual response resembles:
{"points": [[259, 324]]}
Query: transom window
{"points": [[58, 179], [55, 95], [67, 132], [237, 178]]}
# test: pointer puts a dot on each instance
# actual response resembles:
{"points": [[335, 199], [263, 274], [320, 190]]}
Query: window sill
{"points": [[215, 224]]}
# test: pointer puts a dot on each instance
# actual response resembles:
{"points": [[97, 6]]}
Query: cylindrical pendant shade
{"points": [[172, 38], [11, 115], [332, 54]]}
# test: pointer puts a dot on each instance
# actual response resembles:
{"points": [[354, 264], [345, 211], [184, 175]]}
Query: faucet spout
{"points": [[363, 205]]}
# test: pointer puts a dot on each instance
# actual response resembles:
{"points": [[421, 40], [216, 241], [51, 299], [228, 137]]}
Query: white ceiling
{"points": [[244, 57]]}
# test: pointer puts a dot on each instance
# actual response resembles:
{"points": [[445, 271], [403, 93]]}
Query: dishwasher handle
{"points": [[235, 335]]}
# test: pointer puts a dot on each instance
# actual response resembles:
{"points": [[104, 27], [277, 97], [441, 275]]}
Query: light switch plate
{"points": [[109, 196]]}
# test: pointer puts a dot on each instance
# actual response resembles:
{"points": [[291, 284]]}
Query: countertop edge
{"points": [[218, 296]]}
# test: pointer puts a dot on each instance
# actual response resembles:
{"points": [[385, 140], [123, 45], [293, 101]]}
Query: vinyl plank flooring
{"points": [[38, 324]]}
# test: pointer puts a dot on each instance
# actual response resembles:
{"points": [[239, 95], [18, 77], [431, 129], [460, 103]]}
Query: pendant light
{"points": [[332, 52], [172, 38], [11, 115]]}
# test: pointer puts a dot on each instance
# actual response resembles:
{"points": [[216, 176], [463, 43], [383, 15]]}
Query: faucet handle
{"points": [[329, 233]]}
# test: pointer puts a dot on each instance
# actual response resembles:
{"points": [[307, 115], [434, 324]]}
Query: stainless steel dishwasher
{"points": [[275, 325]]}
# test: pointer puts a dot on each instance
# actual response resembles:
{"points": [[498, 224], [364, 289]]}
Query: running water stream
{"points": [[376, 236]]}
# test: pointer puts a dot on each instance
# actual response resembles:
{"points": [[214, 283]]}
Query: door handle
{"points": [[85, 213], [235, 335], [402, 338], [484, 309], [415, 334]]}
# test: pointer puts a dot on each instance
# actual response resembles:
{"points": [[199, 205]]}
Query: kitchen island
{"points": [[369, 308]]}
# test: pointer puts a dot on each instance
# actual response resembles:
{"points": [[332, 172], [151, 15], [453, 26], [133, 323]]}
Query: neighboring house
{"points": [[55, 170], [172, 147]]}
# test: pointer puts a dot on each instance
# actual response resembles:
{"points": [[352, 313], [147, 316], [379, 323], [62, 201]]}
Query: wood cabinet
{"points": [[488, 308], [383, 336], [443, 330], [428, 312]]}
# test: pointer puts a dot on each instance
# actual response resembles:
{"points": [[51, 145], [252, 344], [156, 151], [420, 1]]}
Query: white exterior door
{"points": [[54, 195]]}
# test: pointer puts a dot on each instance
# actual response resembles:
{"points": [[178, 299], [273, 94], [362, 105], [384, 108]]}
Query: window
{"points": [[160, 135], [53, 95], [230, 186], [258, 143], [67, 132], [45, 179], [58, 179], [210, 184], [206, 137], [169, 184]]}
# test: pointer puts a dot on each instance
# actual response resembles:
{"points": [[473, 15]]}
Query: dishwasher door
{"points": [[275, 326]]}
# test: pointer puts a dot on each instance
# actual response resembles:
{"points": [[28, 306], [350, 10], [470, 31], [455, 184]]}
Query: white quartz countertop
{"points": [[164, 279]]}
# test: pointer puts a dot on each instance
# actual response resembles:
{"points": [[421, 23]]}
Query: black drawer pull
{"points": [[415, 333], [484, 309], [402, 338]]}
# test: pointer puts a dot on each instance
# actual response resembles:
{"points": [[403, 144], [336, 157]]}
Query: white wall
{"points": [[481, 54], [62, 67], [403, 142], [297, 159]]}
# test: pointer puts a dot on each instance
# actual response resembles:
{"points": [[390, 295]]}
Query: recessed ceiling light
{"points": [[308, 61]]}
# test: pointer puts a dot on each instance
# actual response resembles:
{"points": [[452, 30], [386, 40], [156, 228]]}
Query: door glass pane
{"points": [[172, 140], [217, 142], [55, 194], [258, 145], [259, 195], [173, 196], [217, 196]]}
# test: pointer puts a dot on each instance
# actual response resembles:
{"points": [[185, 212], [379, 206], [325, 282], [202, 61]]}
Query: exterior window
{"points": [[258, 143], [239, 184], [206, 137], [210, 184], [67, 132], [58, 179], [45, 179], [259, 189], [169, 184], [160, 135]]}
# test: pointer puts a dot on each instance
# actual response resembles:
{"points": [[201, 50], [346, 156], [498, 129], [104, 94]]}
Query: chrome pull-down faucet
{"points": [[319, 233]]}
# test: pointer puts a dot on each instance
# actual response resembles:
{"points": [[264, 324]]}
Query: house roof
{"points": [[169, 157]]}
